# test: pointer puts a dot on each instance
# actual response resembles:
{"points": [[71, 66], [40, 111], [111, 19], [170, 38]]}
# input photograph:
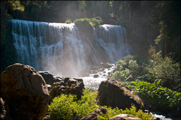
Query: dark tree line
{"points": [[147, 22]]}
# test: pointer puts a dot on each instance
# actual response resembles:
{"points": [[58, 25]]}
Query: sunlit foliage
{"points": [[69, 107], [161, 98]]}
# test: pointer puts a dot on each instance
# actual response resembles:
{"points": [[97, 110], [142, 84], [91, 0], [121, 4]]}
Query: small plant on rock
{"points": [[68, 21]]}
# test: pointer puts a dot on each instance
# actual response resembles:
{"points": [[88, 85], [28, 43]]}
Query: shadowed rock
{"points": [[49, 78], [93, 115], [25, 92], [68, 85], [113, 94]]}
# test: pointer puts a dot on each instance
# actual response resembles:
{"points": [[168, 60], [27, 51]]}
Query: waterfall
{"points": [[60, 49]]}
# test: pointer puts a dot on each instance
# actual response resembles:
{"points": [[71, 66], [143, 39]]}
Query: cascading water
{"points": [[60, 49]]}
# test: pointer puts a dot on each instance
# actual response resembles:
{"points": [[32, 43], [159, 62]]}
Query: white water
{"points": [[59, 49], [93, 83]]}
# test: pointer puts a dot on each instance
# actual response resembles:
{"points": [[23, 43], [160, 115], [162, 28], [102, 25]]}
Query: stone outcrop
{"points": [[49, 78], [124, 117], [112, 93], [68, 85], [93, 115], [25, 92]]}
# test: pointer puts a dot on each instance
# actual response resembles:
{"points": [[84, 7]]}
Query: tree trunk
{"points": [[163, 48], [167, 47]]}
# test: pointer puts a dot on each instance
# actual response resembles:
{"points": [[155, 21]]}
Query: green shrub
{"points": [[87, 22], [121, 75], [166, 70], [128, 65], [69, 107], [132, 111], [162, 98], [68, 21]]}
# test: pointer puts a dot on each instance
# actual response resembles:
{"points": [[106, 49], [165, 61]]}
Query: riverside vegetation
{"points": [[69, 107], [156, 79], [157, 82]]}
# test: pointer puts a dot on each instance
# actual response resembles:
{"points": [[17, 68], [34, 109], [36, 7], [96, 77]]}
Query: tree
{"points": [[167, 19]]}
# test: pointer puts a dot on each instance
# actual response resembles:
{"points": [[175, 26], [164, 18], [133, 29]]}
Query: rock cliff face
{"points": [[25, 92], [113, 94]]}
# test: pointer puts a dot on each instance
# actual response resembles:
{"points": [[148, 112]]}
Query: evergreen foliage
{"points": [[166, 18]]}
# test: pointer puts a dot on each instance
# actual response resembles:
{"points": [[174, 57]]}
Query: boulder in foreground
{"points": [[114, 94], [25, 92]]}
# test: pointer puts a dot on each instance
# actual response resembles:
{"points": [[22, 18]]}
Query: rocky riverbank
{"points": [[26, 93]]}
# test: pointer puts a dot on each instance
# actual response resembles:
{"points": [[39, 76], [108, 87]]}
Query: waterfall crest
{"points": [[61, 49]]}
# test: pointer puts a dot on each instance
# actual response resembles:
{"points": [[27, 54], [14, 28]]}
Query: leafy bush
{"points": [[87, 22], [121, 75], [166, 70], [69, 107], [132, 111], [162, 98], [128, 65], [68, 21]]}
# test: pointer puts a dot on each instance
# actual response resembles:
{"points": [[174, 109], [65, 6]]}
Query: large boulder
{"points": [[112, 93], [93, 115], [25, 92], [67, 86]]}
